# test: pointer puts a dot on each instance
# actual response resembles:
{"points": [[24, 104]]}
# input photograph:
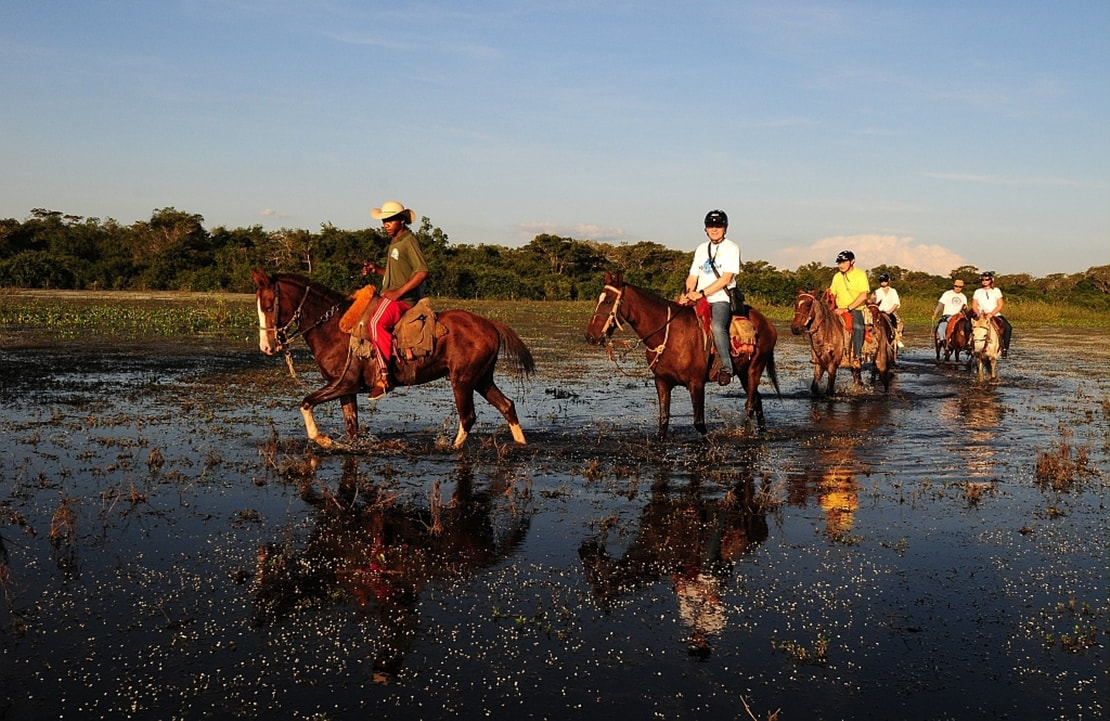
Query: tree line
{"points": [[174, 251]]}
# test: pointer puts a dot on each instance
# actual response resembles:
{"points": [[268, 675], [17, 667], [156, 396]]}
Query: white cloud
{"points": [[579, 231], [873, 250]]}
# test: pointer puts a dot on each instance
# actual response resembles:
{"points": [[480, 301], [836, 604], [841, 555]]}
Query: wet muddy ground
{"points": [[172, 548]]}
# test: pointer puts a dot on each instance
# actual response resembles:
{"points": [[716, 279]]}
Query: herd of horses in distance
{"points": [[676, 341]]}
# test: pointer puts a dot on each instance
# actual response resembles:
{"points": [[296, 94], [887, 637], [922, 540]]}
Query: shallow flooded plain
{"points": [[172, 547]]}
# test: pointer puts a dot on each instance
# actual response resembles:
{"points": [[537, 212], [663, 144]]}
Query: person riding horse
{"points": [[949, 304], [712, 274], [404, 282], [850, 288], [987, 303]]}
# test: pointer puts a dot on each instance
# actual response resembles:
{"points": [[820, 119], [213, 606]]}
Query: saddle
{"points": [[414, 336], [741, 333], [414, 333]]}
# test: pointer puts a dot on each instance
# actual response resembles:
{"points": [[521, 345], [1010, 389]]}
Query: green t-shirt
{"points": [[403, 260]]}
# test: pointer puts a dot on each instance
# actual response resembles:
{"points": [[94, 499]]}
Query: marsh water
{"points": [[173, 548]]}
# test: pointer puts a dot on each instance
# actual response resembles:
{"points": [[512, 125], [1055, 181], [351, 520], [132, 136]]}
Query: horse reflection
{"points": [[692, 541], [370, 551]]}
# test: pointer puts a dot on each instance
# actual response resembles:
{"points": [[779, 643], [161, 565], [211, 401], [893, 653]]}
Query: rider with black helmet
{"points": [[850, 288], [713, 270], [886, 297]]}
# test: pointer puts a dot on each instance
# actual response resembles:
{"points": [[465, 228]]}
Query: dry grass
{"points": [[1060, 468]]}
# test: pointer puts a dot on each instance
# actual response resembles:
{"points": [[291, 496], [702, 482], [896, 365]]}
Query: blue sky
{"points": [[923, 134]]}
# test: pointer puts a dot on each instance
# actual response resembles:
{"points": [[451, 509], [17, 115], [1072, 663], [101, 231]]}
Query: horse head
{"points": [[604, 320], [805, 308], [266, 301]]}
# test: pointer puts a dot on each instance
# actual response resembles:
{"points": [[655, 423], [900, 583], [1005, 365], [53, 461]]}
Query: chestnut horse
{"points": [[957, 338], [677, 347], [813, 314], [466, 355]]}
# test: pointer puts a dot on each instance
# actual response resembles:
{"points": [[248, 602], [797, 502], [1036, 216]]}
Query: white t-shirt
{"points": [[986, 299], [888, 300], [726, 256], [952, 301]]}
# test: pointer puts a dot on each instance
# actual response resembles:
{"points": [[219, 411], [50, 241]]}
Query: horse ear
{"points": [[608, 278], [260, 278]]}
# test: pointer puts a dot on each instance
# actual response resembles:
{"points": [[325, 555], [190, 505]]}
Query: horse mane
{"points": [[667, 302], [320, 288]]}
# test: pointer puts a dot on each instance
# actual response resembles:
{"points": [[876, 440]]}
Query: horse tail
{"points": [[515, 349], [771, 372]]}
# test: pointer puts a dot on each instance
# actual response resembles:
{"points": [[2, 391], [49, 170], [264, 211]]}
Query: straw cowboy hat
{"points": [[390, 209]]}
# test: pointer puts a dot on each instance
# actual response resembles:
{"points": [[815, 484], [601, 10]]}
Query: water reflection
{"points": [[691, 540], [851, 437], [979, 418], [371, 551]]}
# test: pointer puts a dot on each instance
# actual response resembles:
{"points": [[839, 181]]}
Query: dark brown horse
{"points": [[290, 306], [813, 315], [883, 330], [957, 339], [677, 347]]}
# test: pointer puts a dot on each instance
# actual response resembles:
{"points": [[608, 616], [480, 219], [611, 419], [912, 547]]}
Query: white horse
{"points": [[986, 347]]}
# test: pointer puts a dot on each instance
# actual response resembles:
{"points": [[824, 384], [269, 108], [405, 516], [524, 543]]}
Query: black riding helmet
{"points": [[884, 277], [845, 255], [716, 219]]}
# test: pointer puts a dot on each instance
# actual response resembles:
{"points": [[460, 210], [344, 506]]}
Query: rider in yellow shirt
{"points": [[850, 288]]}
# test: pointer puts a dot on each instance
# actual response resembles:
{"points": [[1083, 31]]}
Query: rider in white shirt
{"points": [[888, 301], [987, 303], [951, 302]]}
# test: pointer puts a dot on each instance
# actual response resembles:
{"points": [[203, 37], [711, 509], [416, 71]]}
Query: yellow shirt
{"points": [[848, 286]]}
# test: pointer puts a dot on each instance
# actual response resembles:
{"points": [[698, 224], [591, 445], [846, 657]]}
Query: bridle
{"points": [[282, 336], [612, 322], [810, 326]]}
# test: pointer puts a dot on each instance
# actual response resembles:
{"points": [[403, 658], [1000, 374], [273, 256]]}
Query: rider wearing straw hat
{"points": [[404, 281]]}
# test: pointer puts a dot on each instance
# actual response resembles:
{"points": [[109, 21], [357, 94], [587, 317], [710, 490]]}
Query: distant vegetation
{"points": [[174, 251]]}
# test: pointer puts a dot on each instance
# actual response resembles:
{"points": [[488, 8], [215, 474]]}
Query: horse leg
{"points": [[336, 389], [663, 391], [350, 414], [314, 433], [753, 408], [697, 399], [464, 402], [504, 404]]}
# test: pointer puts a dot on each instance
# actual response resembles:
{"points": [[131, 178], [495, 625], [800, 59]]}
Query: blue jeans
{"points": [[722, 319], [857, 333]]}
